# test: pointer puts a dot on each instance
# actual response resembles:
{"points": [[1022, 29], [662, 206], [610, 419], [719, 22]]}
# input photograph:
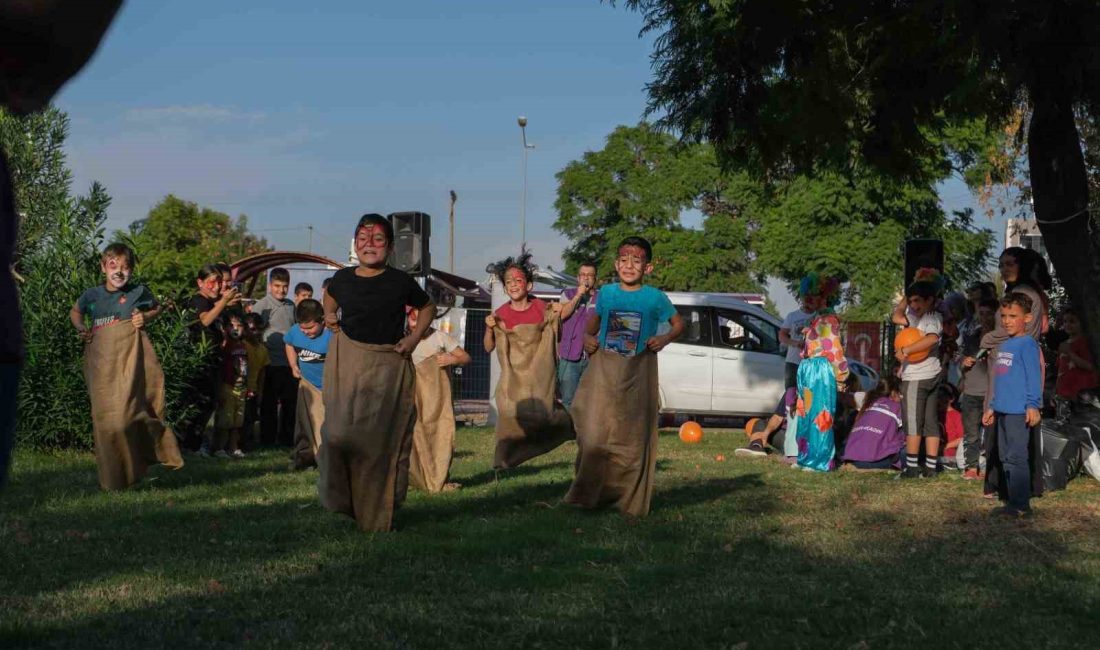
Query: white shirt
{"points": [[436, 343], [795, 323], [930, 323]]}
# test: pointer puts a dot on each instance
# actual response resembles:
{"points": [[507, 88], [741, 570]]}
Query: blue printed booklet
{"points": [[624, 329]]}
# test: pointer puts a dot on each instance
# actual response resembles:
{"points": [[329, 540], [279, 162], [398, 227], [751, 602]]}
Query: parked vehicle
{"points": [[729, 361]]}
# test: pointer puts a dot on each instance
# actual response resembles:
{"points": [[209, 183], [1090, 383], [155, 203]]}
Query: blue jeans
{"points": [[569, 378], [1013, 437]]}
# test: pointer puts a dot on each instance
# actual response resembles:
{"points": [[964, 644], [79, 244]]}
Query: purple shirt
{"points": [[877, 433], [571, 347]]}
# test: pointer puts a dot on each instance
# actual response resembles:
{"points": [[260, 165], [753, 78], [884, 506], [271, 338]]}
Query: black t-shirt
{"points": [[373, 309], [200, 304]]}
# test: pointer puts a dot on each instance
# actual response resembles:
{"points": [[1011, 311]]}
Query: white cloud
{"points": [[194, 112]]}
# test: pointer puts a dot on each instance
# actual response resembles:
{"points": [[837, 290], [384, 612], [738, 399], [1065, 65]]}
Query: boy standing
{"points": [[920, 381], [578, 305], [306, 346], [302, 291], [617, 401], [125, 381], [792, 335], [1017, 394], [277, 426], [975, 385]]}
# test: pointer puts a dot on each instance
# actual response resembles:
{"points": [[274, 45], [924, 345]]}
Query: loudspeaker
{"points": [[922, 253], [411, 234]]}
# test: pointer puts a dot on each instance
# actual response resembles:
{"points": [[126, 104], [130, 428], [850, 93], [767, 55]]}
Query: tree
{"points": [[178, 237], [783, 85], [639, 184]]}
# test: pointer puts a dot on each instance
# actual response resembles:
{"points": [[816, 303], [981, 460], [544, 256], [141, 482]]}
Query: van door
{"points": [[748, 363], [685, 366]]}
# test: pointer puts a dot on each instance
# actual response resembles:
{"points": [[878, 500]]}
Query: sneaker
{"points": [[910, 472], [989, 495], [221, 454], [754, 449], [1010, 512], [928, 472], [971, 475], [237, 453]]}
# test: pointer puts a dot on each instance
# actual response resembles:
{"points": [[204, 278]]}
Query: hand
{"points": [[491, 321], [968, 362], [987, 418], [657, 343], [297, 373], [444, 359], [591, 344], [901, 356], [1034, 417], [406, 345], [555, 307], [84, 334], [332, 323], [138, 320], [582, 288], [231, 296]]}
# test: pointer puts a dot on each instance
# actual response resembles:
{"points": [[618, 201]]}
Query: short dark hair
{"points": [[641, 243], [224, 268], [1021, 299], [374, 219], [522, 263], [324, 283], [208, 270], [921, 289], [309, 311], [303, 286], [990, 304], [117, 250], [591, 263], [279, 274], [256, 322]]}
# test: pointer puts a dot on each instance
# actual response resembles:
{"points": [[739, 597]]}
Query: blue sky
{"points": [[314, 113]]}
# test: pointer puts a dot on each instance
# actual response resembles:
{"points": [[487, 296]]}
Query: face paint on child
{"points": [[515, 283], [236, 329], [630, 263], [117, 272], [371, 244]]}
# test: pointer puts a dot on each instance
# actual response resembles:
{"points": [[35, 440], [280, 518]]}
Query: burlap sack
{"points": [[434, 434], [530, 420], [126, 387], [615, 413], [309, 417], [367, 434]]}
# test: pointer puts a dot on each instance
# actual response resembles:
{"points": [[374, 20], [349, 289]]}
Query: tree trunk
{"points": [[1060, 188]]}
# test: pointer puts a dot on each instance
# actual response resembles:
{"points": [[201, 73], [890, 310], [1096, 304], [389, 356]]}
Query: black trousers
{"points": [[277, 407]]}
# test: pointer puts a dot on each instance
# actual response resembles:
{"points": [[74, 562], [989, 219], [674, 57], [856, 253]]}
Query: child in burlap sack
{"points": [[125, 382], [615, 412], [306, 346]]}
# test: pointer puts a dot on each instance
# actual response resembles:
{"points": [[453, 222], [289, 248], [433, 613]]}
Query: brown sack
{"points": [[615, 413], [530, 420], [126, 387], [367, 434], [309, 416], [434, 435]]}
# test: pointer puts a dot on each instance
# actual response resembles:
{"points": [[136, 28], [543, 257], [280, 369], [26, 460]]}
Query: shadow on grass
{"points": [[497, 476]]}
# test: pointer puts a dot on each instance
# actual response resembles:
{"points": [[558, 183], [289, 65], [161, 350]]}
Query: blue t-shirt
{"points": [[630, 318], [311, 353], [1017, 376]]}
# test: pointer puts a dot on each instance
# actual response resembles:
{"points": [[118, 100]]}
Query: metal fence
{"points": [[472, 381]]}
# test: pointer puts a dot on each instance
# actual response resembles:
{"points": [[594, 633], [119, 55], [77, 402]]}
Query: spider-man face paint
{"points": [[117, 271], [515, 284], [631, 263], [371, 245]]}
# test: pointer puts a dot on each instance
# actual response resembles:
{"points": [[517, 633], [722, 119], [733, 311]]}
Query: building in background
{"points": [[1025, 234]]}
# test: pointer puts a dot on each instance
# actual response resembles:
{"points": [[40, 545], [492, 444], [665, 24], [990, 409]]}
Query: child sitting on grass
{"points": [[876, 439], [306, 348], [125, 381], [1014, 402]]}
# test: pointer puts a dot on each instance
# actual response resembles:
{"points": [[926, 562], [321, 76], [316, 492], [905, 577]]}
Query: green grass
{"points": [[735, 553]]}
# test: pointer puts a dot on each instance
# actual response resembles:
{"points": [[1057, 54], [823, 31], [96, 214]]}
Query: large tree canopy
{"points": [[785, 85], [178, 237], [639, 184]]}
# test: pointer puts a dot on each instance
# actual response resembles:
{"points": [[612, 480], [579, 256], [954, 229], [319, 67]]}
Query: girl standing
{"points": [[368, 381], [822, 367]]}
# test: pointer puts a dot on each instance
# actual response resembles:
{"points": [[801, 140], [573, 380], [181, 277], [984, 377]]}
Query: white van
{"points": [[729, 361]]}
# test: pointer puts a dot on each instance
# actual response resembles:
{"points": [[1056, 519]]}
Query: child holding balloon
{"points": [[918, 352]]}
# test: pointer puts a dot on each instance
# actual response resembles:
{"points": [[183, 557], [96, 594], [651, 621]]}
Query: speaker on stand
{"points": [[411, 250]]}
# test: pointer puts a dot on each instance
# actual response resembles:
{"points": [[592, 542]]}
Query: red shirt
{"points": [[1074, 380], [533, 315]]}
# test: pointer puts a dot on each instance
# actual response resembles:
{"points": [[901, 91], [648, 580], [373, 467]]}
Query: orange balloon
{"points": [[907, 337], [750, 426], [691, 433]]}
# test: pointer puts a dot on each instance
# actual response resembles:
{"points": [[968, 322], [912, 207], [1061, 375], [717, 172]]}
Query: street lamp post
{"points": [[522, 121]]}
